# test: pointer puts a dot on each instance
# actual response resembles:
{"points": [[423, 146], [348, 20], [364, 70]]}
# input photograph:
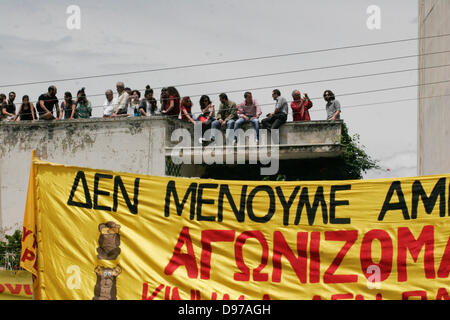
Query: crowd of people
{"points": [[128, 102]]}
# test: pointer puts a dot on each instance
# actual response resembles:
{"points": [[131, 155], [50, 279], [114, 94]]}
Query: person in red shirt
{"points": [[171, 106], [300, 106]]}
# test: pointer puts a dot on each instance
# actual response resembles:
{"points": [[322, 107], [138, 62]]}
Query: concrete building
{"points": [[433, 141], [136, 145]]}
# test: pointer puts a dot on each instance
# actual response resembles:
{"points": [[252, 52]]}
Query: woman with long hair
{"points": [[186, 110], [172, 103], [207, 115], [68, 106], [163, 99], [26, 111], [207, 109], [135, 102]]}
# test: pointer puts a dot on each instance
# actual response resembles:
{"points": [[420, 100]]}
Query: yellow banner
{"points": [[110, 235], [15, 285]]}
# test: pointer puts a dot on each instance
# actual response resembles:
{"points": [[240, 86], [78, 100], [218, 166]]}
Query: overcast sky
{"points": [[121, 36]]}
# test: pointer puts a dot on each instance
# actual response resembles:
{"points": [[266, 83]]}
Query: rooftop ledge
{"points": [[297, 140], [281, 152]]}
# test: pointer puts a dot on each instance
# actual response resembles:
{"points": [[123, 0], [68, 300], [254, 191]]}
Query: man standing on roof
{"points": [[300, 106], [333, 106]]}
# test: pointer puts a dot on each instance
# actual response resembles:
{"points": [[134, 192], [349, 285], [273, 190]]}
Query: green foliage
{"points": [[351, 165], [355, 160], [10, 251]]}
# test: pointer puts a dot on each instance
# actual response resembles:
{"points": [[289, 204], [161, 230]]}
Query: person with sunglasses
{"points": [[278, 117]]}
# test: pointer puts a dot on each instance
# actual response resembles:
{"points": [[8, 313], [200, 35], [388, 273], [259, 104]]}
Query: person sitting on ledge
{"points": [[248, 111], [207, 115], [226, 117], [278, 117], [186, 110]]}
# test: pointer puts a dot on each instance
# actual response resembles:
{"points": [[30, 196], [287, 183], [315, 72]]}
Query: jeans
{"points": [[216, 126], [241, 121]]}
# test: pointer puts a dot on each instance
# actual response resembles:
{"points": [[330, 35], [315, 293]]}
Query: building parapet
{"points": [[135, 145]]}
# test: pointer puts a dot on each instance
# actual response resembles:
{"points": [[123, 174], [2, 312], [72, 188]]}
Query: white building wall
{"points": [[119, 145], [434, 113]]}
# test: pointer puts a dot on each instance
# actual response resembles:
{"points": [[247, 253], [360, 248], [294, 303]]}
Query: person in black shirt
{"points": [[46, 103], [9, 108], [11, 104], [26, 111]]}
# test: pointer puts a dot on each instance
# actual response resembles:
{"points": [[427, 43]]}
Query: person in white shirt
{"points": [[108, 106], [121, 105]]}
